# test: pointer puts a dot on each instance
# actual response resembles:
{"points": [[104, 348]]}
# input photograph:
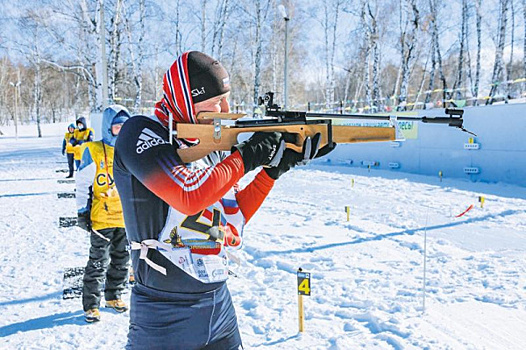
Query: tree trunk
{"points": [[367, 53], [422, 82], [478, 4], [219, 28], [203, 25], [140, 55], [330, 30], [431, 85], [459, 82], [402, 50], [509, 70], [436, 43], [371, 53], [92, 30], [178, 35], [115, 51], [38, 95], [257, 58], [409, 41], [136, 55], [224, 18], [501, 40]]}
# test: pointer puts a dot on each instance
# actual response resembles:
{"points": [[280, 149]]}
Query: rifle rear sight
{"points": [[268, 101]]}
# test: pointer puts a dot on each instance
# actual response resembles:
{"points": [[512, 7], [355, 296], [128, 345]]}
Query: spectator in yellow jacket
{"points": [[82, 135], [67, 148], [100, 213]]}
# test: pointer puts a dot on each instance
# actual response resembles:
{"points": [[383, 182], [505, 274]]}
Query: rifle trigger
{"points": [[217, 129]]}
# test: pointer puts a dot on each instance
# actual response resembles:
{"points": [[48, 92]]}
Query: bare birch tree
{"points": [[136, 49], [408, 40], [177, 32], [498, 66], [203, 25], [115, 53], [258, 53], [509, 70], [375, 35], [459, 81], [372, 53], [222, 14], [33, 39], [436, 56], [367, 43], [330, 26], [478, 21], [89, 21]]}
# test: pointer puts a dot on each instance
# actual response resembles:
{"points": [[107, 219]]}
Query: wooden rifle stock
{"points": [[223, 137]]}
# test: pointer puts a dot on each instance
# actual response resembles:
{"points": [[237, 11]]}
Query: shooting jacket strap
{"points": [[150, 244]]}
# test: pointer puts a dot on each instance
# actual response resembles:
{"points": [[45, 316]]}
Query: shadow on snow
{"points": [[50, 321], [392, 234]]}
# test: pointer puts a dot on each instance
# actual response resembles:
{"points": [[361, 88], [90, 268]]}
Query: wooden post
{"points": [[301, 313], [348, 211], [303, 289]]}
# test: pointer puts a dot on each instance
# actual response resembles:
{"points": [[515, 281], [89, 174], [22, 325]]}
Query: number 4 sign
{"points": [[303, 283]]}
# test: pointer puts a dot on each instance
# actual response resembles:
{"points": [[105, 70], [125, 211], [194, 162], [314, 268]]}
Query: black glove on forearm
{"points": [[290, 160], [84, 220], [263, 148]]}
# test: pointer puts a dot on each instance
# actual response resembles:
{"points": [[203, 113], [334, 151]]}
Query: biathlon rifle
{"points": [[222, 133]]}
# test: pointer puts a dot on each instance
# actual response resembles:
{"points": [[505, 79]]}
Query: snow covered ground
{"points": [[367, 273]]}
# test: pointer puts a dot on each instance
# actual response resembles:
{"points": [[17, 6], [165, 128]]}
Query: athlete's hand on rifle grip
{"points": [[263, 148], [292, 158]]}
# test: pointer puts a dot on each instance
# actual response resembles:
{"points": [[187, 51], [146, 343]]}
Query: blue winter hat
{"points": [[71, 126], [120, 118]]}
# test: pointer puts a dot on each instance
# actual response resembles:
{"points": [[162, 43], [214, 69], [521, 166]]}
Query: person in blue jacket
{"points": [[99, 212]]}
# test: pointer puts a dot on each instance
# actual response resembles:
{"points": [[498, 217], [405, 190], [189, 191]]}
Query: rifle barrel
{"points": [[433, 120]]}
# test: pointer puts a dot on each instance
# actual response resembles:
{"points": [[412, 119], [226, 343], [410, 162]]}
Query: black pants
{"points": [[71, 158], [113, 251], [182, 321]]}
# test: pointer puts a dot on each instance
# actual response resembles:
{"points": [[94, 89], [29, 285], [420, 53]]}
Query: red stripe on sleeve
{"points": [[191, 201]]}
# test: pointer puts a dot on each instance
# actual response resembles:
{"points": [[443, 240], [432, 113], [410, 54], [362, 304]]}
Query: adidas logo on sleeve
{"points": [[148, 139]]}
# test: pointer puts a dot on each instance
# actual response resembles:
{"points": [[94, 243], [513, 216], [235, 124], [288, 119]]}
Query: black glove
{"points": [[263, 148], [84, 220], [63, 152], [291, 158]]}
